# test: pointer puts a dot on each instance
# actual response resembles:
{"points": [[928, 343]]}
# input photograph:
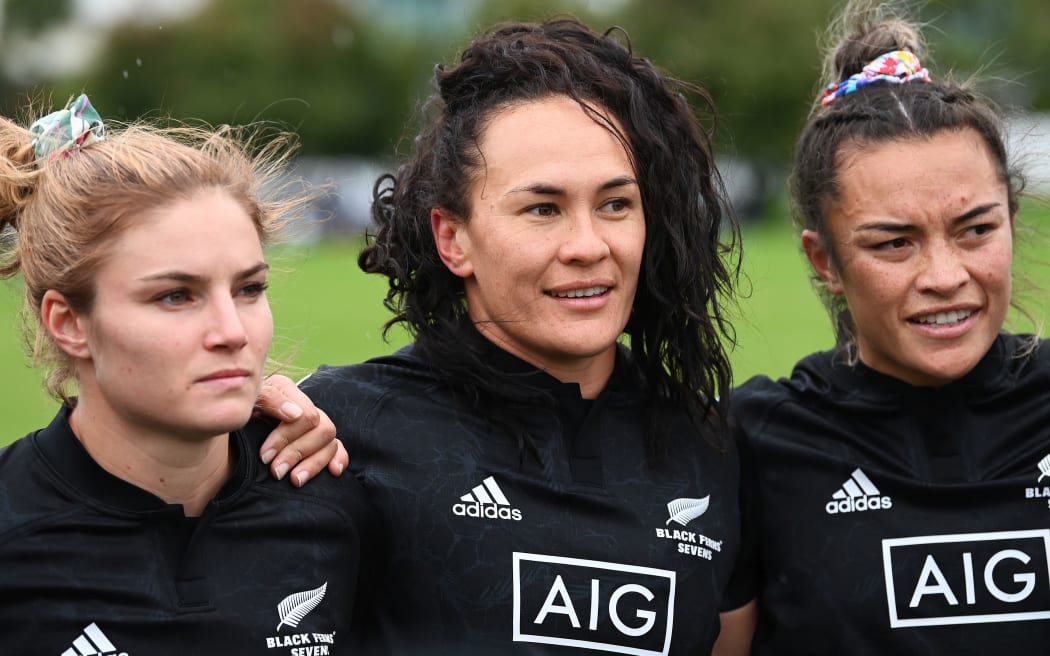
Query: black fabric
{"points": [[938, 546], [583, 525], [85, 554]]}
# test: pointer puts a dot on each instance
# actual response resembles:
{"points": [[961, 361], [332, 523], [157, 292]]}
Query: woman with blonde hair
{"points": [[139, 521]]}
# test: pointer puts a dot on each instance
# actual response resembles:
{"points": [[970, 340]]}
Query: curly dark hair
{"points": [[691, 257], [875, 114]]}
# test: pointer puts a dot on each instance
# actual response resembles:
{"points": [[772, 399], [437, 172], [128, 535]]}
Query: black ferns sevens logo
{"points": [[295, 607]]}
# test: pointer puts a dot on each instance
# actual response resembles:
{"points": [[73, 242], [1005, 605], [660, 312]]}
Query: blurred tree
{"points": [[347, 73], [759, 60], [20, 21], [310, 65], [33, 16], [1004, 43]]}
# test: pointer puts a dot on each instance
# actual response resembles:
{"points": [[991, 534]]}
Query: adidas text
{"points": [[857, 504], [489, 511]]}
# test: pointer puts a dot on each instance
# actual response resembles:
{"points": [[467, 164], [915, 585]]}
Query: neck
{"points": [[591, 373], [184, 470]]}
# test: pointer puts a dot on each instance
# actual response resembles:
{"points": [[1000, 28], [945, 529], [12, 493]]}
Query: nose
{"points": [[944, 270], [225, 325], [583, 241]]}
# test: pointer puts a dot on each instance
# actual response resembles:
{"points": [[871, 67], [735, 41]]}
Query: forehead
{"points": [[552, 136], [944, 172], [207, 231]]}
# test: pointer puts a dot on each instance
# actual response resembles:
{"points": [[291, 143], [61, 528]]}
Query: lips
{"points": [[584, 292], [943, 318], [225, 374]]}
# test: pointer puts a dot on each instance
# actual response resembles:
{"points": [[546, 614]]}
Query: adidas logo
{"points": [[857, 494], [486, 500], [91, 642]]}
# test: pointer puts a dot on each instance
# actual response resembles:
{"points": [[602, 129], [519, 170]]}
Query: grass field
{"points": [[327, 311]]}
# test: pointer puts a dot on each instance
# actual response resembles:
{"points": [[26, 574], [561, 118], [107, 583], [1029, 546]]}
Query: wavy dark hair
{"points": [[690, 260], [879, 113]]}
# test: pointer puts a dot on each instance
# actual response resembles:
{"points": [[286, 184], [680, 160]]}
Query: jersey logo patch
{"points": [[683, 511], [295, 607], [593, 604], [967, 578], [1040, 491], [857, 494], [486, 501], [92, 641], [691, 543], [292, 610]]}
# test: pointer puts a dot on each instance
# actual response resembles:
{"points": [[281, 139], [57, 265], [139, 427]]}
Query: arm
{"points": [[305, 441], [738, 627]]}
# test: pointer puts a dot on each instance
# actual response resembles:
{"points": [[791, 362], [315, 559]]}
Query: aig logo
{"points": [[591, 604], [968, 578]]}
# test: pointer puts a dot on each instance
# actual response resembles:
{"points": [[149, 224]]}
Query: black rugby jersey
{"points": [[892, 519], [91, 564], [576, 547]]}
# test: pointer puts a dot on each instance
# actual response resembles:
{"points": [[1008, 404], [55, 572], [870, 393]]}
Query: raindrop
{"points": [[138, 62], [125, 74]]}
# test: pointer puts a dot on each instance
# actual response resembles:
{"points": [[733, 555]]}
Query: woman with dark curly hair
{"points": [[549, 456]]}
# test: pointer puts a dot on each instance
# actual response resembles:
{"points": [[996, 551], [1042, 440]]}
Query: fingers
{"points": [[281, 399], [304, 443], [325, 457], [306, 452], [338, 464]]}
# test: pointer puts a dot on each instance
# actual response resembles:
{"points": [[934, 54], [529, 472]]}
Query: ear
{"points": [[64, 325], [820, 260], [452, 241]]}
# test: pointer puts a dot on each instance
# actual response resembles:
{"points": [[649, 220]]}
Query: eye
{"points": [[174, 297], [616, 205], [980, 229], [543, 209], [254, 289], [892, 244]]}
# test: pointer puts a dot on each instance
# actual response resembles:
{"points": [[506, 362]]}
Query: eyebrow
{"points": [[886, 226], [182, 276], [551, 190]]}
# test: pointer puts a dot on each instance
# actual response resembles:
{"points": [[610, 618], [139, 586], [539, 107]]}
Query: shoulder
{"points": [[353, 390], [337, 503], [31, 492], [1025, 354], [812, 375]]}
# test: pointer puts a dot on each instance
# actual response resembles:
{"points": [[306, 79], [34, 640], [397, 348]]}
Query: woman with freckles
{"points": [[542, 487], [140, 521], [896, 500]]}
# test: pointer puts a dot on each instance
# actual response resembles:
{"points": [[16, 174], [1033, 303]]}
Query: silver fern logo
{"points": [[1044, 468], [683, 510], [296, 606]]}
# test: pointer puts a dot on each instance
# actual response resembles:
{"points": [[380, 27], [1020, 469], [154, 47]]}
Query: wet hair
{"points": [[876, 114], [677, 329], [59, 217]]}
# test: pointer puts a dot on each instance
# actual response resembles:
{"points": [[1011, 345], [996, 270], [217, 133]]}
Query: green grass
{"points": [[327, 311]]}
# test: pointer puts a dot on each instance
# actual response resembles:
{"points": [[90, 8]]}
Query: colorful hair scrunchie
{"points": [[895, 67], [66, 131]]}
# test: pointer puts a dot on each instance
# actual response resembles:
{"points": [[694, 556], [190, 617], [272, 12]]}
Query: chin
{"points": [[224, 420]]}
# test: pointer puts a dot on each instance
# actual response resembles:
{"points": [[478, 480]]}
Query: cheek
{"points": [[867, 286], [262, 329]]}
